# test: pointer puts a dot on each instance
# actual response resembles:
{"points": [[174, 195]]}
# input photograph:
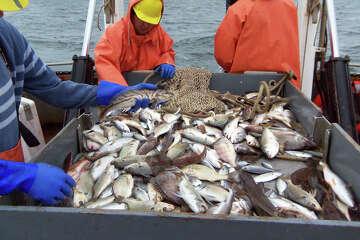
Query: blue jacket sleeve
{"points": [[16, 176], [42, 82]]}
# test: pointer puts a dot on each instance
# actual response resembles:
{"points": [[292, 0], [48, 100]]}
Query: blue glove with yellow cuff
{"points": [[166, 70], [42, 182], [109, 90]]}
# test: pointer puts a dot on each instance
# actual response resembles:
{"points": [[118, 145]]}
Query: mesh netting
{"points": [[190, 89]]}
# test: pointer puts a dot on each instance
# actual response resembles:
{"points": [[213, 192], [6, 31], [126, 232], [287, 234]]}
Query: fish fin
{"points": [[314, 192], [67, 164], [177, 194], [281, 148]]}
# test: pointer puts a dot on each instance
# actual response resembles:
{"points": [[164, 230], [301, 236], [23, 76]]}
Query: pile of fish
{"points": [[152, 160]]}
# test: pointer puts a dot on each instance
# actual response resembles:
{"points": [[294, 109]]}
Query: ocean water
{"points": [[55, 29]]}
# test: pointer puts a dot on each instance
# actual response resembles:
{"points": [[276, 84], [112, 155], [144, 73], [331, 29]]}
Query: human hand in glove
{"points": [[166, 70], [42, 182], [109, 90]]}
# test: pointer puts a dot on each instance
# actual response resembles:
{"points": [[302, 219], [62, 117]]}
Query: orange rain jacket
{"points": [[259, 35], [121, 50]]}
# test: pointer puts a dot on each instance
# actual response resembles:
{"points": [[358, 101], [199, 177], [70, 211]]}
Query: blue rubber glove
{"points": [[43, 182], [140, 103], [109, 90], [166, 70]]}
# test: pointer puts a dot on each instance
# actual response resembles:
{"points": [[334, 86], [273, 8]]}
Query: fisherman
{"points": [[229, 3], [21, 69], [259, 35], [136, 42]]}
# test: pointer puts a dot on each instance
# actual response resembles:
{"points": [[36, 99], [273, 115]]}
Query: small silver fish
{"points": [[267, 177], [100, 202], [256, 169], [269, 144], [123, 186], [104, 181], [191, 196]]}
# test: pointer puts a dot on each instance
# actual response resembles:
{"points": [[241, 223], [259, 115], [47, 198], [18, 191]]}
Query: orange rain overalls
{"points": [[14, 154], [121, 50], [259, 35]]}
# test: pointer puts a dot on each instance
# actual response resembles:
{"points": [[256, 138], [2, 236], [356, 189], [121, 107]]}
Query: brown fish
{"points": [[254, 191]]}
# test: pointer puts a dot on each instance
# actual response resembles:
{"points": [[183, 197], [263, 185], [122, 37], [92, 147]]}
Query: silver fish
{"points": [[299, 154], [212, 192], [99, 166], [124, 102], [267, 177], [138, 205], [107, 192], [140, 194], [267, 165], [300, 196], [191, 196], [238, 135], [121, 126], [123, 162], [104, 181], [123, 186], [203, 173], [115, 206], [100, 202], [153, 193], [241, 206], [135, 124], [292, 140], [287, 206], [252, 141], [177, 150], [218, 120], [95, 137], [150, 114], [177, 138], [164, 207], [337, 185], [111, 147], [163, 128], [170, 117], [226, 151], [245, 149], [83, 192], [210, 131], [129, 149], [230, 127], [256, 169], [269, 144], [197, 136], [281, 186], [223, 207], [211, 158], [139, 168]]}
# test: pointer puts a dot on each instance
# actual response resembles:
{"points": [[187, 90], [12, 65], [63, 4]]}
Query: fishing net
{"points": [[191, 93]]}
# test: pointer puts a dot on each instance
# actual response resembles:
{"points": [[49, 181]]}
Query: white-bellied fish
{"points": [[203, 173], [337, 185], [123, 186], [269, 144], [226, 151], [192, 198]]}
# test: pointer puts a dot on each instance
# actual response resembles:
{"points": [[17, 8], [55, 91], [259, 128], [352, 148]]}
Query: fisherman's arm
{"points": [[166, 63], [107, 57], [226, 39], [43, 182]]}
